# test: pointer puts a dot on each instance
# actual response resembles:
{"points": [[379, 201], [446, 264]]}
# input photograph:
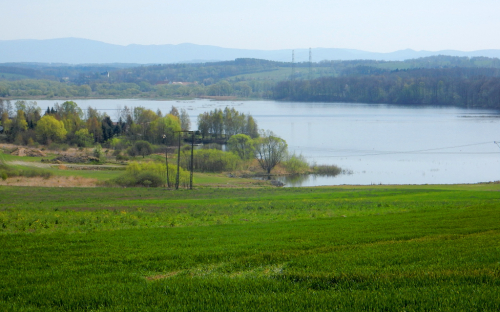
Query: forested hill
{"points": [[211, 72], [442, 80], [469, 87]]}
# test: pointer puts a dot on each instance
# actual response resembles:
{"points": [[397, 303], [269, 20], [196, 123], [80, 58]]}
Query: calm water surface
{"points": [[379, 143]]}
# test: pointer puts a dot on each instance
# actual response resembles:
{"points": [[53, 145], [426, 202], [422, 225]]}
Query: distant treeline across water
{"points": [[468, 87], [437, 80]]}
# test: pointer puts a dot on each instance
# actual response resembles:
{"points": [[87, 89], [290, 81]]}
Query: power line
{"points": [[424, 150]]}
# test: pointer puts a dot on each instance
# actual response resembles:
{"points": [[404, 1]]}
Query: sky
{"points": [[370, 25]]}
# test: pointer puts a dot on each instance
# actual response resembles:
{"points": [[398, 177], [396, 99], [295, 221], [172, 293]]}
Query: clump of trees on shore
{"points": [[24, 123], [226, 123]]}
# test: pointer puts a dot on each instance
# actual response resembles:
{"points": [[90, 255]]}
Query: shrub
{"points": [[151, 174], [122, 157], [296, 164], [98, 153], [211, 160], [327, 170], [118, 143], [141, 148], [148, 178]]}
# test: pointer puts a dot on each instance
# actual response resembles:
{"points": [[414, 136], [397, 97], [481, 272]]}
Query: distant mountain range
{"points": [[84, 51]]}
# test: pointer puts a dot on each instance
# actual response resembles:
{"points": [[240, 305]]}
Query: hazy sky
{"points": [[372, 25]]}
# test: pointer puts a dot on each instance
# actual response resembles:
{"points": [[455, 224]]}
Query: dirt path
{"points": [[29, 164]]}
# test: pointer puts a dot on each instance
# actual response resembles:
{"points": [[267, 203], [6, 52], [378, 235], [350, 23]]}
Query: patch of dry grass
{"points": [[54, 181]]}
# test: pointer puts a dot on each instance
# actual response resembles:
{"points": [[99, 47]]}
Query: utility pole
{"points": [[178, 162], [179, 159], [166, 159], [192, 164]]}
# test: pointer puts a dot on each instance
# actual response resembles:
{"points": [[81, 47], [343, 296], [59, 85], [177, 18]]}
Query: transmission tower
{"points": [[293, 65], [310, 65]]}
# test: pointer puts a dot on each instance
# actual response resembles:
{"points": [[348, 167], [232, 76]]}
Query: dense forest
{"points": [[441, 80], [470, 87]]}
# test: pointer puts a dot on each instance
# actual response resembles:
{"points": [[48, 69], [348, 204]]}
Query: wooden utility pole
{"points": [[166, 159], [179, 159], [178, 162]]}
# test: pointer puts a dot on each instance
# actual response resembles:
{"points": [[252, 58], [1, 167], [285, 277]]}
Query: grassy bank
{"points": [[392, 248]]}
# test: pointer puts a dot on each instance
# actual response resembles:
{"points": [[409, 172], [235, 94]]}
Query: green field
{"points": [[375, 248]]}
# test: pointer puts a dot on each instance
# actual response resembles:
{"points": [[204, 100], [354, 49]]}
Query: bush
{"points": [[211, 160], [296, 164], [122, 157], [141, 148], [150, 174], [327, 170], [118, 143], [97, 152], [149, 179]]}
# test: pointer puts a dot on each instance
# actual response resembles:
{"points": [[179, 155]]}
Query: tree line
{"points": [[437, 80], [468, 87], [24, 123], [55, 89]]}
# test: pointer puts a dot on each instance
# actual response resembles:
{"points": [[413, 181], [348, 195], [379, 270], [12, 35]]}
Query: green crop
{"points": [[397, 248]]}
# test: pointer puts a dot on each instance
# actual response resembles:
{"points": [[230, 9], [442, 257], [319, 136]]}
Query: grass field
{"points": [[378, 248]]}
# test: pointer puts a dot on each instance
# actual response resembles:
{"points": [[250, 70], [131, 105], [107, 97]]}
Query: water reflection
{"points": [[295, 180], [302, 180]]}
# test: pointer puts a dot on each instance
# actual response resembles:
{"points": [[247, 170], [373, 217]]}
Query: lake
{"points": [[379, 144]]}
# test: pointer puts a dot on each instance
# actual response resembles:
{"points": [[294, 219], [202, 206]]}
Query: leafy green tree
{"points": [[71, 115], [83, 137], [50, 129], [94, 127], [6, 122], [142, 148], [184, 119], [251, 127], [270, 150], [204, 124], [19, 125], [164, 126], [242, 145]]}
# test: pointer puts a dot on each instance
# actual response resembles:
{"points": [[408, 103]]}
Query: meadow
{"points": [[346, 248]]}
